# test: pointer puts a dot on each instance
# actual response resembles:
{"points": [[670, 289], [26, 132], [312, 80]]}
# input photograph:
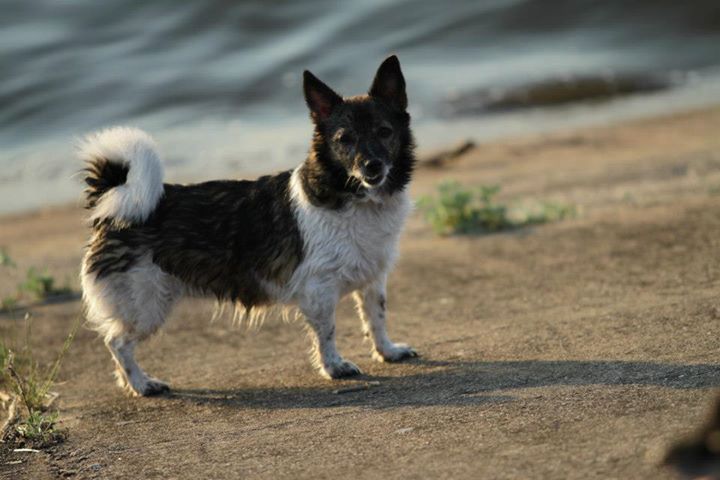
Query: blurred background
{"points": [[217, 83]]}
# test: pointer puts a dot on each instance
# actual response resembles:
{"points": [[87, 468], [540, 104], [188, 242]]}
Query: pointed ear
{"points": [[389, 84], [320, 99]]}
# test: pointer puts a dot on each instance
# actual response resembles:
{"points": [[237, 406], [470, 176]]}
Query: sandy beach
{"points": [[576, 349]]}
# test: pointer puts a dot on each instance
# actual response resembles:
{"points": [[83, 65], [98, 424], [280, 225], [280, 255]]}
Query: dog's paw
{"points": [[148, 388], [395, 353], [341, 369], [155, 387]]}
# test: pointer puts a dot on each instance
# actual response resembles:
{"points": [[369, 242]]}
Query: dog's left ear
{"points": [[389, 84]]}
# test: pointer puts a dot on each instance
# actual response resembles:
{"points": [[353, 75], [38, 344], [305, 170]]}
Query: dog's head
{"points": [[362, 143]]}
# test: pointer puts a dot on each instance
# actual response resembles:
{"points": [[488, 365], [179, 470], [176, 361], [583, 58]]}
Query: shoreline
{"points": [[460, 147]]}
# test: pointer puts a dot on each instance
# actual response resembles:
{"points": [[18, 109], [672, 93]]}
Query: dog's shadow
{"points": [[457, 383]]}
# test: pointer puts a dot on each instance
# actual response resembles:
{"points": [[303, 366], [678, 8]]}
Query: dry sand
{"points": [[579, 349]]}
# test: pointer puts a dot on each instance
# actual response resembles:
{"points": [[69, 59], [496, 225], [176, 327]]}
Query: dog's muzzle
{"points": [[372, 172]]}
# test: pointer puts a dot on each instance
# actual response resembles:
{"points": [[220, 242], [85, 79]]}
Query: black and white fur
{"points": [[303, 238]]}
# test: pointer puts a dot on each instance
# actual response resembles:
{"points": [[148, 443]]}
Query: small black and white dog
{"points": [[302, 238]]}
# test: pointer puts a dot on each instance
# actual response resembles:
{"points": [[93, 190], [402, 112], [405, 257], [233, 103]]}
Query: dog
{"points": [[698, 457], [299, 239]]}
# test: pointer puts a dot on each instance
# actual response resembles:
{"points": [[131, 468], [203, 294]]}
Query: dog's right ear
{"points": [[320, 99]]}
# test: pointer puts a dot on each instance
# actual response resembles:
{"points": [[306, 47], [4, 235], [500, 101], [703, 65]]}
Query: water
{"points": [[218, 82]]}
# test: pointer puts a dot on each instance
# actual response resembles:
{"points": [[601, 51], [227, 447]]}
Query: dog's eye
{"points": [[346, 138], [384, 132]]}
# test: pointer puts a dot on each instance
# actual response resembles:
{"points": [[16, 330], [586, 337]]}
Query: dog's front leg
{"points": [[319, 311], [371, 305]]}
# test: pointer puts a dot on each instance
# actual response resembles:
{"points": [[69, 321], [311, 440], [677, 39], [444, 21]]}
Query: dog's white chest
{"points": [[353, 246]]}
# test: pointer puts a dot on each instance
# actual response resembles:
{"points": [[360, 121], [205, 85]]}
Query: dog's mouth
{"points": [[373, 180], [370, 179]]}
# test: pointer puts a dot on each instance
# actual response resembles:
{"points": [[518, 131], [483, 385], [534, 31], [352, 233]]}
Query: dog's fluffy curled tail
{"points": [[124, 175]]}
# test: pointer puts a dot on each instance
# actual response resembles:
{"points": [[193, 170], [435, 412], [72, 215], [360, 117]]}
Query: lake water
{"points": [[218, 82]]}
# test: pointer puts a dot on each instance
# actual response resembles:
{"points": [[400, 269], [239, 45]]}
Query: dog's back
{"points": [[221, 238]]}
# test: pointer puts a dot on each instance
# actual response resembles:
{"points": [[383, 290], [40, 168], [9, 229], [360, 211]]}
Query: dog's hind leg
{"points": [[139, 323], [371, 307], [127, 308], [121, 343], [128, 373]]}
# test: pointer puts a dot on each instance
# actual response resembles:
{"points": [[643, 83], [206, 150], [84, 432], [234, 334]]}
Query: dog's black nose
{"points": [[372, 168]]}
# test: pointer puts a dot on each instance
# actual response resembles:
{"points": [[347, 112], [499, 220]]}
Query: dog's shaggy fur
{"points": [[302, 238]]}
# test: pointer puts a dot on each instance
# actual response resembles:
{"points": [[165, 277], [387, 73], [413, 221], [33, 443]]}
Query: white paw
{"points": [[394, 353], [340, 369]]}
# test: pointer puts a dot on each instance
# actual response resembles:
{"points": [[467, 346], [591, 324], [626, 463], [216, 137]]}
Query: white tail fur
{"points": [[136, 199]]}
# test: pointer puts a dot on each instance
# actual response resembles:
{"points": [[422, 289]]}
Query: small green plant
{"points": [[41, 285], [546, 212], [8, 304], [31, 383], [5, 259], [40, 428], [4, 361], [37, 284], [461, 210]]}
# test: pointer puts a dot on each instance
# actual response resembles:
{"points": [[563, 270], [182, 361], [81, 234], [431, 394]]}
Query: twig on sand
{"points": [[443, 157], [356, 388]]}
